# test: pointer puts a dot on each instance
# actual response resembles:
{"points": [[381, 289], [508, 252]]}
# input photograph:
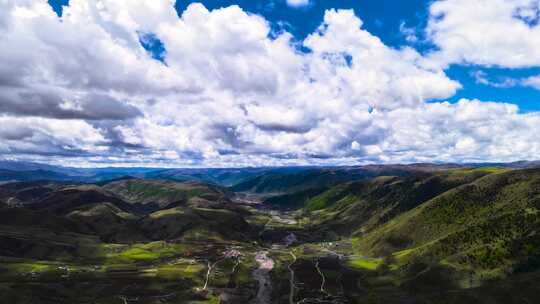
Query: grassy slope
{"points": [[490, 224], [19, 193], [287, 182], [367, 204], [196, 224], [68, 199], [293, 200], [89, 211], [162, 193]]}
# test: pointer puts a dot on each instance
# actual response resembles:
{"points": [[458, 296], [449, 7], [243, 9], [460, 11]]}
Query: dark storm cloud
{"points": [[8, 80], [284, 128], [15, 133], [115, 140], [27, 141], [51, 105], [227, 133], [50, 151]]}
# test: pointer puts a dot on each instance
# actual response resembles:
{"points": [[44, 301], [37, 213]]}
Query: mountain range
{"points": [[418, 233]]}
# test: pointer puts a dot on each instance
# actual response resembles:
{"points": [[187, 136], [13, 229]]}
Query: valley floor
{"points": [[285, 266]]}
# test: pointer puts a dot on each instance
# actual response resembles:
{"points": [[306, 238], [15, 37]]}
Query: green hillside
{"points": [[363, 205], [489, 225], [286, 182], [162, 193]]}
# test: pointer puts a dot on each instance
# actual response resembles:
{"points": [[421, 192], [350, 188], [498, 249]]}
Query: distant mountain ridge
{"points": [[242, 179]]}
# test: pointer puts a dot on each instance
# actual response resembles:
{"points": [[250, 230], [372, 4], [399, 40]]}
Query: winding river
{"points": [[262, 276], [266, 264]]}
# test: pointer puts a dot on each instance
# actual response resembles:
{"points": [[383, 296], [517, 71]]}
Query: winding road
{"points": [[322, 277], [209, 272]]}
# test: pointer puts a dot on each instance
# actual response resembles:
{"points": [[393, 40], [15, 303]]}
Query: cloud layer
{"points": [[230, 92], [501, 33]]}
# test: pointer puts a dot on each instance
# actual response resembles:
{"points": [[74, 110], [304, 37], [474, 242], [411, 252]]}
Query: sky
{"points": [[269, 82]]}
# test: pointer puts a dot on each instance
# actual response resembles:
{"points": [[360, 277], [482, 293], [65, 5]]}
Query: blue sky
{"points": [[381, 17], [527, 98], [269, 82]]}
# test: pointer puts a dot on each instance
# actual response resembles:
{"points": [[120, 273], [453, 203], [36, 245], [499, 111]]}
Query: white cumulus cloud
{"points": [[486, 32], [82, 89], [298, 3]]}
